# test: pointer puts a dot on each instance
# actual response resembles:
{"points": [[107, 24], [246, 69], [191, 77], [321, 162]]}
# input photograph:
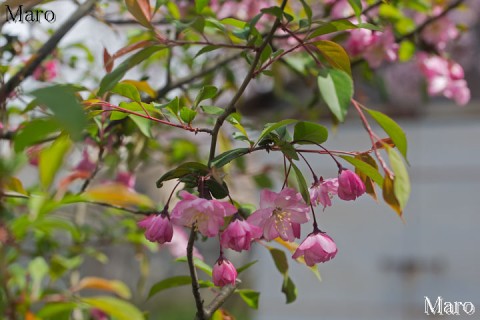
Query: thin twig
{"points": [[45, 50], [231, 106]]}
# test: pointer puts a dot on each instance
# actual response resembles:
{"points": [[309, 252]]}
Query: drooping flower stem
{"points": [[165, 209], [194, 276], [315, 225], [315, 178], [339, 165]]}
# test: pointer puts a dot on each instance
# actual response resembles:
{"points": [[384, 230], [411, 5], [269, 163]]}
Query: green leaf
{"points": [[393, 130], [302, 184], [366, 169], [188, 168], [51, 159], [250, 297], [401, 183], [334, 54], [38, 269], [280, 259], [246, 266], [357, 7], [120, 309], [206, 49], [290, 290], [406, 50], [169, 283], [67, 110], [308, 11], [216, 111], [187, 114], [273, 11], [336, 87], [228, 156], [111, 79], [56, 311], [127, 90], [287, 149], [330, 27], [200, 5], [176, 281], [309, 132], [34, 131], [199, 264], [207, 92], [274, 126], [143, 124]]}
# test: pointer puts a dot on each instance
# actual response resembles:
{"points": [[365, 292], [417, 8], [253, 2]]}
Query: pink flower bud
{"points": [[317, 247], [224, 272], [350, 187], [239, 234], [158, 228]]}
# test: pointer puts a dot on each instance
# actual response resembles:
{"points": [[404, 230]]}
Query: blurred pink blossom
{"points": [[47, 71], [244, 10], [444, 77], [382, 47], [239, 234], [440, 32], [224, 272], [126, 178], [280, 214], [178, 245], [206, 215], [317, 247]]}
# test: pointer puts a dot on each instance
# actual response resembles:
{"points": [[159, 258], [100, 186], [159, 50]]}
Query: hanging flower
{"points": [[317, 247], [280, 214], [206, 215], [239, 234]]}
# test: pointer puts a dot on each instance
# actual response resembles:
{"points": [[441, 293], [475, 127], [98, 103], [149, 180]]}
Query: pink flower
{"points": [[280, 214], [126, 178], [206, 215], [444, 77], [47, 71], [350, 186], [440, 32], [323, 191], [239, 234], [85, 165], [382, 47], [33, 154], [317, 247], [98, 314], [158, 228], [224, 272], [358, 41], [178, 246]]}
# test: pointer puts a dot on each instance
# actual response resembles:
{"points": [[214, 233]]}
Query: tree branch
{"points": [[45, 50], [220, 299], [231, 106], [193, 274]]}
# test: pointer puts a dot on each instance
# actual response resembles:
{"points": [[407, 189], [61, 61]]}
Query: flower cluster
{"points": [[444, 77], [280, 215]]}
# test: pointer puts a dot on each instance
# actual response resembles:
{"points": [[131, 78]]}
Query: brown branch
{"points": [[193, 274], [220, 299], [231, 106], [181, 82], [45, 50]]}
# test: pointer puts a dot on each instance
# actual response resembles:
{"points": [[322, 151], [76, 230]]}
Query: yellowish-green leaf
{"points": [[120, 309], [115, 286], [389, 195], [335, 55], [401, 184], [117, 194], [51, 159]]}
